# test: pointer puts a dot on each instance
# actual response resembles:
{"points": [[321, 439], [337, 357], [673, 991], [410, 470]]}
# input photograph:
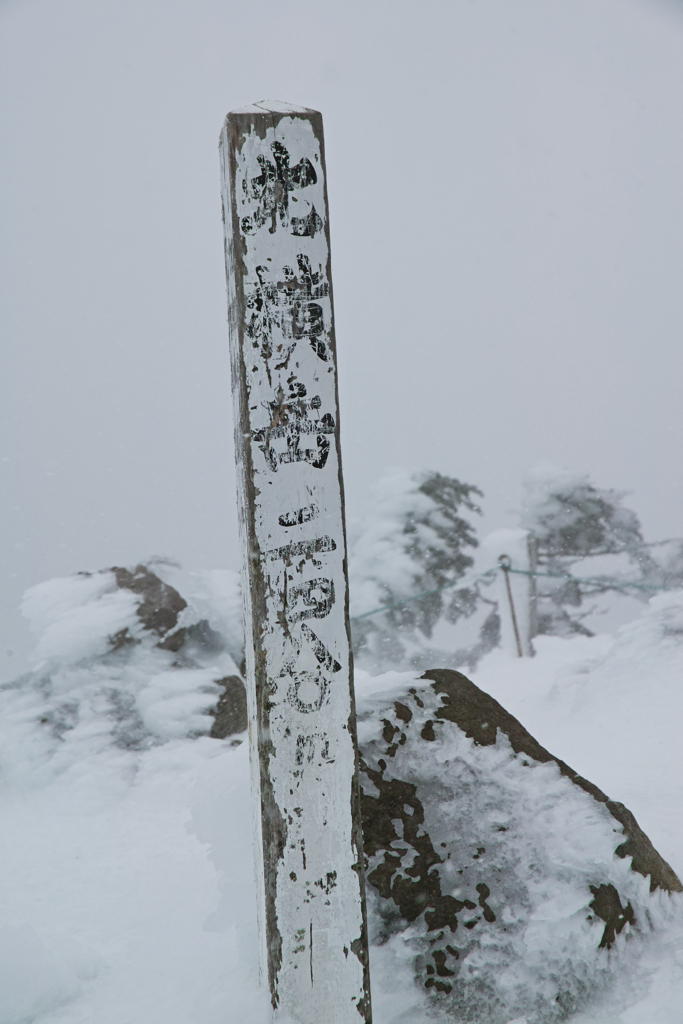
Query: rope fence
{"points": [[605, 581], [461, 584]]}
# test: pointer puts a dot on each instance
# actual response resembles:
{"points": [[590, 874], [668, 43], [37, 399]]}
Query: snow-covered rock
{"points": [[503, 882], [122, 661]]}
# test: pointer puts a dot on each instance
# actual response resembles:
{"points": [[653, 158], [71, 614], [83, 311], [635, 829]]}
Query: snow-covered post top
{"points": [[291, 508], [514, 550]]}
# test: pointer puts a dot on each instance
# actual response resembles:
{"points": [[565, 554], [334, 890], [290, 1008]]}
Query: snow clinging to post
{"points": [[304, 758]]}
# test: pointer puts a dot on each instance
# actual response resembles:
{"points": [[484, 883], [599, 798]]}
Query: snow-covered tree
{"points": [[415, 540], [574, 521], [665, 566]]}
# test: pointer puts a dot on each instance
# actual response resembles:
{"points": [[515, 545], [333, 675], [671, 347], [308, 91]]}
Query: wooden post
{"points": [[291, 508]]}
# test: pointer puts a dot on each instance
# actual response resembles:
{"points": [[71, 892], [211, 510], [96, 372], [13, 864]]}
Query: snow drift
{"points": [[501, 887]]}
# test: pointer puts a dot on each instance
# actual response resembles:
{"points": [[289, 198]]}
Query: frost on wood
{"points": [[293, 537], [513, 887]]}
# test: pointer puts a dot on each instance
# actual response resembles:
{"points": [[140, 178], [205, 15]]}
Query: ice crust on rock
{"points": [[124, 661], [509, 885]]}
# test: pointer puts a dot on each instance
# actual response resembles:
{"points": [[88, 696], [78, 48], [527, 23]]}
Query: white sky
{"points": [[506, 193]]}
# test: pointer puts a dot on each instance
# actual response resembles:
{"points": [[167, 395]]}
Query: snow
{"points": [[125, 830], [75, 615], [105, 858]]}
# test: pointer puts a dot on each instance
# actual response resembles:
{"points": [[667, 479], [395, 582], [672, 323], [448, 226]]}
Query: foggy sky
{"points": [[505, 181]]}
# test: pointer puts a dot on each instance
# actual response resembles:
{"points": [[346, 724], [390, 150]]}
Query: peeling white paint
{"points": [[299, 671]]}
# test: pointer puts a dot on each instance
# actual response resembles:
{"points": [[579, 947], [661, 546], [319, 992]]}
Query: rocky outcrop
{"points": [[160, 604], [124, 649], [511, 885], [481, 717], [158, 611]]}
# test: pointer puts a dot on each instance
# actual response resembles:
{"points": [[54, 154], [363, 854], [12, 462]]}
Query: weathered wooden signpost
{"points": [[291, 505]]}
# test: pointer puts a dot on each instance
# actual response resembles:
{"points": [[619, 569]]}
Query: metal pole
{"points": [[505, 564]]}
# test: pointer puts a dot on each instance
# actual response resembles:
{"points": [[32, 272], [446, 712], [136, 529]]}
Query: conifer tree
{"points": [[415, 540], [572, 521]]}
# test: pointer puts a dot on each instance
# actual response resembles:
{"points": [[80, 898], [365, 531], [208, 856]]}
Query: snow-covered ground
{"points": [[125, 872]]}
